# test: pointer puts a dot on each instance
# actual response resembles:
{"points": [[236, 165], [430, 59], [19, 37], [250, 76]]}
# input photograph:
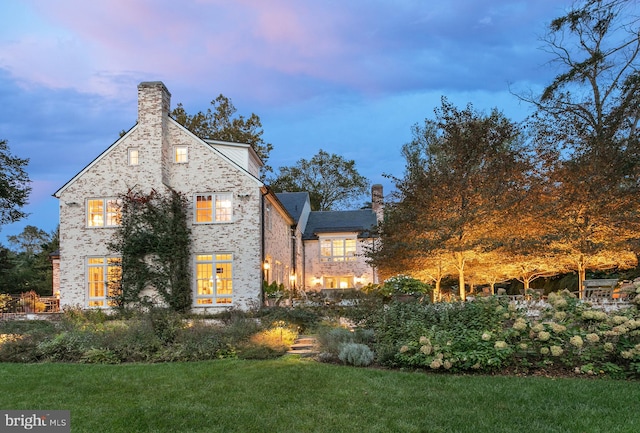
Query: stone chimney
{"points": [[154, 101], [377, 201]]}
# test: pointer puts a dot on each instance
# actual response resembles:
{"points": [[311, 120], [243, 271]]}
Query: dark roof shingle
{"points": [[340, 221]]}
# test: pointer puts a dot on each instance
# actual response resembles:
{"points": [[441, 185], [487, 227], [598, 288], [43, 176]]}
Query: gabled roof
{"points": [[209, 145], [293, 202], [94, 162], [348, 221]]}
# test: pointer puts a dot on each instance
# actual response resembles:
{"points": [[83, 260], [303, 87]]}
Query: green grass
{"points": [[291, 395]]}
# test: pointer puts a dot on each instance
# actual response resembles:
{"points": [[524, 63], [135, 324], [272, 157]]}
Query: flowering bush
{"points": [[404, 285], [485, 335]]}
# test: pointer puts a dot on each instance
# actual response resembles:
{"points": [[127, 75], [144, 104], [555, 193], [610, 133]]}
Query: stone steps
{"points": [[305, 346]]}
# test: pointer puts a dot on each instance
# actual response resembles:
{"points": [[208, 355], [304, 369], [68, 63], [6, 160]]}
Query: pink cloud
{"points": [[172, 40]]}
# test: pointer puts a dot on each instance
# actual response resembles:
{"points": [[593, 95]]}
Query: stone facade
{"points": [[206, 170], [272, 237], [278, 265], [328, 275]]}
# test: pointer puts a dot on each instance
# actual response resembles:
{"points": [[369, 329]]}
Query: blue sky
{"points": [[348, 77]]}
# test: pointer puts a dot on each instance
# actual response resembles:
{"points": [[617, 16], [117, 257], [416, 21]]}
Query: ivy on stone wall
{"points": [[154, 241]]}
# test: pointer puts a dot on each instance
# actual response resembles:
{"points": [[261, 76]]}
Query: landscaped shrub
{"points": [[304, 318], [402, 324], [67, 346], [239, 329], [198, 342], [269, 343], [77, 318], [18, 348], [332, 340], [99, 356], [487, 335], [399, 285], [356, 354], [4, 300], [362, 307], [166, 323]]}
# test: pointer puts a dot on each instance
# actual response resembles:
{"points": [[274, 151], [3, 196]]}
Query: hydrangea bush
{"points": [[489, 334]]}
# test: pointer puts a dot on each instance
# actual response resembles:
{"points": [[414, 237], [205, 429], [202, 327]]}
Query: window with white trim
{"points": [[104, 277], [133, 156], [214, 279], [338, 282], [180, 154], [210, 208], [338, 249], [103, 212]]}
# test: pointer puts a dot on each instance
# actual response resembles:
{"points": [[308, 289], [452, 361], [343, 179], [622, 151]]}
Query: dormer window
{"points": [[180, 154], [133, 157]]}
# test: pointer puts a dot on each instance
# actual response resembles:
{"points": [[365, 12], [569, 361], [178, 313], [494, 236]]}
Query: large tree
{"points": [[466, 175], [14, 185], [586, 131], [332, 181], [219, 123], [31, 241], [28, 266]]}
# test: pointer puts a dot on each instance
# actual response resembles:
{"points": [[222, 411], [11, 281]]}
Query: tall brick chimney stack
{"points": [[377, 201], [154, 101]]}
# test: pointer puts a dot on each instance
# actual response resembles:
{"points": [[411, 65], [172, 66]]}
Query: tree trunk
{"points": [[582, 274], [460, 260], [437, 294]]}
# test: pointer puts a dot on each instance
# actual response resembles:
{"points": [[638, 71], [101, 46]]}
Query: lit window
{"points": [[133, 157], [214, 279], [180, 154], [344, 282], [104, 275], [103, 212], [213, 208], [338, 250]]}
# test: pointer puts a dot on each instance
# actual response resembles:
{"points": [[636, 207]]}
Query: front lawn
{"points": [[291, 395]]}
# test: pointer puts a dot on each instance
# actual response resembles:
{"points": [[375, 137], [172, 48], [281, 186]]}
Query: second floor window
{"points": [[103, 212], [338, 249], [180, 154], [213, 208], [133, 157]]}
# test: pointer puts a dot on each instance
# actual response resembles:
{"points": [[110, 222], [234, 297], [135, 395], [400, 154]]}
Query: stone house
{"points": [[242, 233]]}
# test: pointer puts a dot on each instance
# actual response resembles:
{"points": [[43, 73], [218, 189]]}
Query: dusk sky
{"points": [[348, 77]]}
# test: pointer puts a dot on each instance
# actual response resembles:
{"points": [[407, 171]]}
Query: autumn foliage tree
{"points": [[466, 174], [586, 132]]}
